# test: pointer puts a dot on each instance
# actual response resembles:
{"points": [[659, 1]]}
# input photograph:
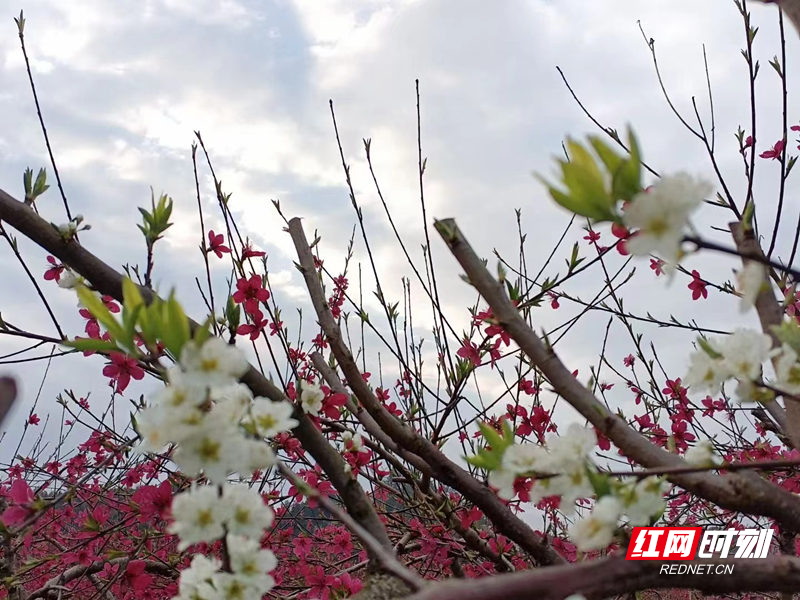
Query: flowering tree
{"points": [[269, 461]]}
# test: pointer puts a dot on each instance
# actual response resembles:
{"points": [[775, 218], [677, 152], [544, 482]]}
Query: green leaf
{"points": [[129, 322], [608, 156], [203, 332], [233, 314], [90, 345], [706, 347], [601, 483], [131, 296], [27, 181], [490, 434], [582, 158], [150, 322], [175, 330], [40, 186], [587, 187], [491, 457], [627, 181], [100, 312], [788, 332]]}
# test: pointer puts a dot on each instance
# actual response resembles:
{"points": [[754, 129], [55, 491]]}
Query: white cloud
{"points": [[124, 86]]}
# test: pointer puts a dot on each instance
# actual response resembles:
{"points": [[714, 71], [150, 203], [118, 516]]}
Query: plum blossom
{"points": [[701, 454], [22, 497], [69, 279], [311, 397], [596, 531], [775, 152], [645, 501], [196, 580], [245, 511], [121, 369], [739, 356], [214, 363], [216, 244], [787, 371], [270, 418], [199, 516], [251, 562], [54, 271], [661, 214]]}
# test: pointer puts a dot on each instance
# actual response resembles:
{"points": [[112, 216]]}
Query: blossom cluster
{"points": [[564, 468], [218, 428], [207, 513], [741, 356]]}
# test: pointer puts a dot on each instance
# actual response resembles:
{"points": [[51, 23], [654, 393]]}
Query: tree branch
{"points": [[444, 469], [610, 577], [745, 492], [107, 280]]}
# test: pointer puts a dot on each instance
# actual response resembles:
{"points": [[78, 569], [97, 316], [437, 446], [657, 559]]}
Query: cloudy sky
{"points": [[123, 85]]}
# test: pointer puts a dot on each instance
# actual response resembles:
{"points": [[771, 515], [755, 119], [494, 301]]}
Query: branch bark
{"points": [[770, 314], [55, 586], [609, 577]]}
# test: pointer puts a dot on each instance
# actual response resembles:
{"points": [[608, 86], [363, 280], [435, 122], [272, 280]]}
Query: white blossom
{"points": [[356, 442], [787, 371], [198, 515], [232, 401], [232, 586], [271, 418], [661, 214], [503, 481], [570, 486], [742, 355], [251, 562], [518, 459], [152, 431], [746, 391], [311, 397], [744, 351], [566, 459], [524, 458], [68, 230], [180, 394], [570, 450], [256, 455], [645, 501], [750, 279], [596, 531], [246, 513], [213, 364], [705, 372], [69, 280], [196, 581], [216, 451], [159, 425], [702, 454]]}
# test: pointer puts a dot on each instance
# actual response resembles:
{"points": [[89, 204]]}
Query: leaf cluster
{"points": [[594, 178]]}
